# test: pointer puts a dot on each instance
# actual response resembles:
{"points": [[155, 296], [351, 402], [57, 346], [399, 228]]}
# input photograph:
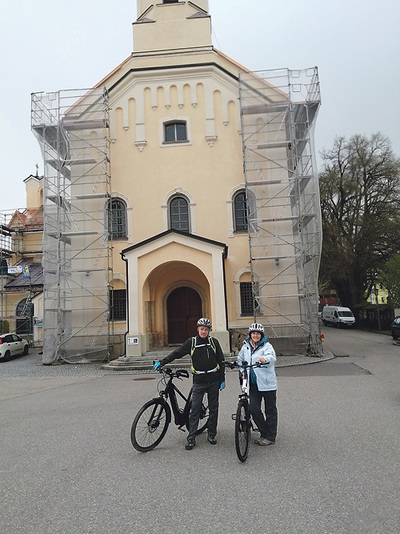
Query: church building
{"points": [[179, 208]]}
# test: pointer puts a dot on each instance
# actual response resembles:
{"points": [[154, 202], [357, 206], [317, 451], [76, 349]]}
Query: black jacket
{"points": [[206, 355]]}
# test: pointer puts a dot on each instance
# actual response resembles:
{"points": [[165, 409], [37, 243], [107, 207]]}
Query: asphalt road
{"points": [[67, 464]]}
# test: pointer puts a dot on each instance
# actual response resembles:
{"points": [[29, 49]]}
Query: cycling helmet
{"points": [[204, 322], [256, 327]]}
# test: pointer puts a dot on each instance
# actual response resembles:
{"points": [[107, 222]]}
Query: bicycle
{"points": [[154, 417], [242, 417]]}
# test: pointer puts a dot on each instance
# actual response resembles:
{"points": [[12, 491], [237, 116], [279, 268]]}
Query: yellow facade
{"points": [[170, 133], [177, 76], [21, 299]]}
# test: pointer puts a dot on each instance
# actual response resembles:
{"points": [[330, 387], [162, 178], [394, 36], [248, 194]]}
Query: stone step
{"points": [[146, 360]]}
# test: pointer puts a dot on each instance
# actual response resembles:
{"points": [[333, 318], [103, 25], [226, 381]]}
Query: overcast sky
{"points": [[50, 45]]}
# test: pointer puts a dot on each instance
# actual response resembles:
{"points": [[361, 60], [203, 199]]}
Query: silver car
{"points": [[11, 344]]}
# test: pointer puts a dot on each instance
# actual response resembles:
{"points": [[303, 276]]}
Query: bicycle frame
{"points": [[152, 420], [172, 393], [242, 417], [244, 378]]}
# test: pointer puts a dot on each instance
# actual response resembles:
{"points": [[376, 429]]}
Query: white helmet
{"points": [[256, 327], [204, 322]]}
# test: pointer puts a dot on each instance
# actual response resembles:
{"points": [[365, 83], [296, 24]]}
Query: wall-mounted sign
{"points": [[16, 269]]}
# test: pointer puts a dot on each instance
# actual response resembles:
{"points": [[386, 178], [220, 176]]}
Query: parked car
{"points": [[396, 328], [11, 344]]}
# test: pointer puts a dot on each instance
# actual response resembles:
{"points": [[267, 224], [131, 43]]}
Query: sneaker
{"points": [[263, 442], [190, 444], [212, 440]]}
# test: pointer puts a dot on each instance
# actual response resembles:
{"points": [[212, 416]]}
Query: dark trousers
{"points": [[199, 390], [268, 424]]}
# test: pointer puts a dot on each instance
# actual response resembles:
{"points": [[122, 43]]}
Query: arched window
{"points": [[117, 218], [240, 212], [243, 209], [24, 312], [179, 214], [175, 132]]}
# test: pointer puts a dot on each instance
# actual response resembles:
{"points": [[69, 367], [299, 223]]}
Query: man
{"points": [[208, 368]]}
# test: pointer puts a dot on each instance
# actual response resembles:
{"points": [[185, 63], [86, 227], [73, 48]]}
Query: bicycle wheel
{"points": [[204, 414], [150, 425], [242, 430]]}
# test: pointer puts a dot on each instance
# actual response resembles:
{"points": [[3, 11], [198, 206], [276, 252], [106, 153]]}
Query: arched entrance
{"points": [[184, 308]]}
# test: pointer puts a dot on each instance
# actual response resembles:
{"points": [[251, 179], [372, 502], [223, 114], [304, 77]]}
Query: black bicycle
{"points": [[242, 417], [152, 420]]}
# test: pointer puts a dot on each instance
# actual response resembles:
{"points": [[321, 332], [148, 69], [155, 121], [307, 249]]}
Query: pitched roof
{"points": [[29, 219], [172, 231], [35, 280]]}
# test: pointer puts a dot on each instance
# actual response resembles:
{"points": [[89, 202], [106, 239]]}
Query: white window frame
{"points": [[169, 120]]}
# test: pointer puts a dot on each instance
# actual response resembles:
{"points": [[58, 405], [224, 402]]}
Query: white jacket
{"points": [[265, 375]]}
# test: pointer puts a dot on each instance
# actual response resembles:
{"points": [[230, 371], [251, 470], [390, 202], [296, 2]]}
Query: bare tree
{"points": [[360, 202]]}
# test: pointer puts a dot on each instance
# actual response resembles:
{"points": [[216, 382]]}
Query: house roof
{"points": [[29, 219], [35, 280]]}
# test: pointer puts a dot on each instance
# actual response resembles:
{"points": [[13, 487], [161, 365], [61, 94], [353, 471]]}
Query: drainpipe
{"points": [[224, 256], [124, 356]]}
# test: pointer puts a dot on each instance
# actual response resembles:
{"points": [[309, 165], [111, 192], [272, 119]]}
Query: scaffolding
{"points": [[6, 253], [72, 128], [278, 112], [20, 246]]}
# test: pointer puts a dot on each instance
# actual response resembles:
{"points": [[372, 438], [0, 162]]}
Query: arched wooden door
{"points": [[183, 310]]}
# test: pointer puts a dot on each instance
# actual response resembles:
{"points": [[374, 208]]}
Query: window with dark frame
{"points": [[117, 218], [247, 301], [240, 212], [179, 214], [170, 1], [175, 132], [118, 305], [25, 313]]}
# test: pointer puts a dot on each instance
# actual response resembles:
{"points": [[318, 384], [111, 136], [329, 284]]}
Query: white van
{"points": [[338, 316]]}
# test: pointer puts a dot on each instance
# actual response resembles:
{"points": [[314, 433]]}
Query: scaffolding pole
{"points": [[278, 112], [72, 128]]}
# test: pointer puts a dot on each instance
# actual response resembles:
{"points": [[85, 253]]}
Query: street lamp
{"points": [[377, 307]]}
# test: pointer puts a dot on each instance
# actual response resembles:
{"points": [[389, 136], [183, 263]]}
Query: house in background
{"points": [[157, 179], [21, 278]]}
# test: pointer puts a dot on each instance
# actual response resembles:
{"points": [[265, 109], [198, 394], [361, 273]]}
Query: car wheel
{"points": [[395, 336], [7, 355], [26, 350]]}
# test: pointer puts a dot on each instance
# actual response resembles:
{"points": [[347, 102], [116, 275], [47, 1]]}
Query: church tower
{"points": [[171, 25]]}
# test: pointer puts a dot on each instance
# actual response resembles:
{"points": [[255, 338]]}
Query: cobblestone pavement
{"points": [[31, 366]]}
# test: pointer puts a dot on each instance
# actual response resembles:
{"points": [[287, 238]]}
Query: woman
{"points": [[263, 383]]}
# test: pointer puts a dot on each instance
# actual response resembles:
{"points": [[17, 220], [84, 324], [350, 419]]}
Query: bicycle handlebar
{"points": [[245, 365], [179, 373]]}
